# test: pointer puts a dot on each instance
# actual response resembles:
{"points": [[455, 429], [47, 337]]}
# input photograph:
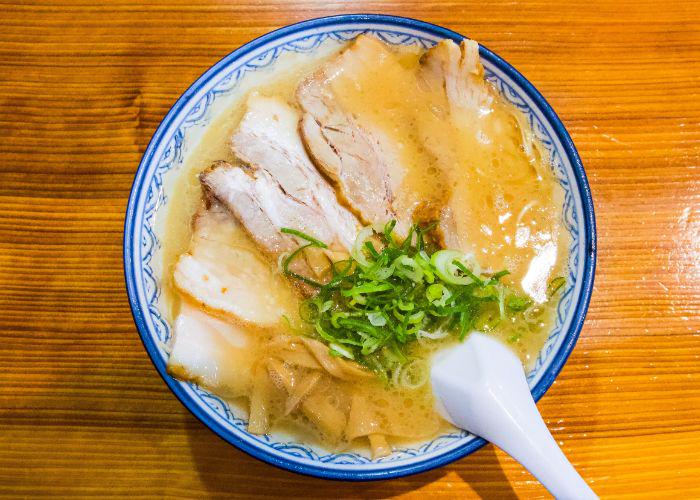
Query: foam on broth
{"points": [[514, 200]]}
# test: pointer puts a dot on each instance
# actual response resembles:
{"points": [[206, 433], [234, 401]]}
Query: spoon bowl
{"points": [[480, 386]]}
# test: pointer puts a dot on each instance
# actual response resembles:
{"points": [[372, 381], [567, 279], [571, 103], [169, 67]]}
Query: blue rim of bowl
{"points": [[397, 470]]}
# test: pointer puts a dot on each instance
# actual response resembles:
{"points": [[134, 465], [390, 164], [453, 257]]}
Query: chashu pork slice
{"points": [[211, 352], [267, 138], [457, 71], [224, 273], [263, 208], [348, 153]]}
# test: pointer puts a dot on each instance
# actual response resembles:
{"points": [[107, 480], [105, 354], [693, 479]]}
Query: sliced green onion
{"points": [[339, 350], [304, 236], [468, 272], [323, 333], [423, 261], [414, 374], [336, 316], [388, 229], [416, 317], [370, 248], [500, 274], [405, 306], [288, 259], [376, 318], [371, 287], [443, 261], [435, 292], [554, 286], [436, 335], [517, 304], [357, 252], [408, 267]]}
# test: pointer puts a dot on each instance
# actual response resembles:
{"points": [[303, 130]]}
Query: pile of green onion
{"points": [[390, 293]]}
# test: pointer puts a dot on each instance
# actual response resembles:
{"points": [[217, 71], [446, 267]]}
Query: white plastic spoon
{"points": [[480, 386]]}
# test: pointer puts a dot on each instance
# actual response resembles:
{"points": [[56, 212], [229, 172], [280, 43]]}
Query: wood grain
{"points": [[84, 84]]}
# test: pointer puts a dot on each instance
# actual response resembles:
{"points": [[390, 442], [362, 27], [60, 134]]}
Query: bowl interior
{"points": [[178, 135]]}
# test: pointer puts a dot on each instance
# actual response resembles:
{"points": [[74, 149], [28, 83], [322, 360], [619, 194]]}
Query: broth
{"points": [[497, 175]]}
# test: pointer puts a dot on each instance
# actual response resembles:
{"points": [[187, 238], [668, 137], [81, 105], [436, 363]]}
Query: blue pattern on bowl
{"points": [[165, 153]]}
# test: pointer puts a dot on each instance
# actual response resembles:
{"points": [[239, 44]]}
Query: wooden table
{"points": [[84, 85]]}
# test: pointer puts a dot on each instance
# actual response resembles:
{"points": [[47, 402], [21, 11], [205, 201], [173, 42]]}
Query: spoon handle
{"points": [[481, 387], [525, 437]]}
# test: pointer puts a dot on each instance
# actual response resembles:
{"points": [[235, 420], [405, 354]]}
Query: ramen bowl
{"points": [[183, 127]]}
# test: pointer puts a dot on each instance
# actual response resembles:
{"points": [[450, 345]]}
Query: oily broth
{"points": [[487, 173], [511, 197], [514, 197]]}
